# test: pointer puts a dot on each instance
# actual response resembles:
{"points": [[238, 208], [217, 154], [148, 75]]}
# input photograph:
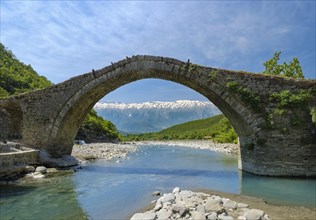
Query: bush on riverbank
{"points": [[217, 128]]}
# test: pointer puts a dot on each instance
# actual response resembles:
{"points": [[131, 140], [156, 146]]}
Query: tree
{"points": [[293, 69], [272, 66]]}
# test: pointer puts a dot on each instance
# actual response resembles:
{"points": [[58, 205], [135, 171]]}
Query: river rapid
{"points": [[115, 189]]}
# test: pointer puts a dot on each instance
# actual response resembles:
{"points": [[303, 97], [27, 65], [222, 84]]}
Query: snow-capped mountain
{"points": [[154, 116]]}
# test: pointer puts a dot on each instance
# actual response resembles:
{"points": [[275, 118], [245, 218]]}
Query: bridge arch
{"points": [[271, 142], [106, 80]]}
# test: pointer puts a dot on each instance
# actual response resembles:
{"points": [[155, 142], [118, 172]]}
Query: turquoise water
{"points": [[110, 190], [54, 199]]}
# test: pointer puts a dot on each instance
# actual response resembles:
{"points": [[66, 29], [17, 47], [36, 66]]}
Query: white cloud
{"points": [[65, 38]]}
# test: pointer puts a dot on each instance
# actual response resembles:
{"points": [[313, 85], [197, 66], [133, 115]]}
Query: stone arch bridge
{"points": [[275, 138]]}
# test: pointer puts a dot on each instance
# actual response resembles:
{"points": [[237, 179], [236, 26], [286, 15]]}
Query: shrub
{"points": [[293, 69], [286, 99]]}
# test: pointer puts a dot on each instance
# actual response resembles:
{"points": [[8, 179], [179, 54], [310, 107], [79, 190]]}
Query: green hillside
{"points": [[217, 128], [95, 129], [17, 77]]}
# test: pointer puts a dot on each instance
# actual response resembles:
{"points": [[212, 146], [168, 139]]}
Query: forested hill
{"points": [[17, 77], [217, 128]]}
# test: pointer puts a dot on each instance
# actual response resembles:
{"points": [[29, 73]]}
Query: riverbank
{"points": [[205, 204], [106, 151], [275, 211], [196, 144], [111, 151]]}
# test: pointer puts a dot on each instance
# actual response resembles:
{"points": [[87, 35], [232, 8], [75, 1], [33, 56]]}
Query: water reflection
{"points": [[53, 199], [228, 160], [291, 191]]}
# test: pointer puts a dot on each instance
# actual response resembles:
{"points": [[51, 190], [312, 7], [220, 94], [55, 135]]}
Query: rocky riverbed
{"points": [[197, 144], [185, 204], [106, 151], [110, 151]]}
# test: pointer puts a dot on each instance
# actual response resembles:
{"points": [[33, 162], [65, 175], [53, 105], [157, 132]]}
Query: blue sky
{"points": [[61, 39]]}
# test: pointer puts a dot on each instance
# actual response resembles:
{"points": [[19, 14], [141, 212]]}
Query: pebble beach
{"points": [[106, 151]]}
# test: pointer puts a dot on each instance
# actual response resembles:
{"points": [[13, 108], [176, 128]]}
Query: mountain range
{"points": [[154, 116]]}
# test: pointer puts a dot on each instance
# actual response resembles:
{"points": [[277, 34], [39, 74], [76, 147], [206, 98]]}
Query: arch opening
{"points": [[151, 105], [97, 89]]}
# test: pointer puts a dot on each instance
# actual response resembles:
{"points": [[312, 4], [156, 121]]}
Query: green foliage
{"points": [[217, 128], [232, 86], [213, 74], [293, 69], [268, 122], [16, 77], [95, 128], [278, 111], [193, 67], [3, 92], [188, 67], [271, 66], [226, 133], [287, 99], [313, 114], [252, 98]]}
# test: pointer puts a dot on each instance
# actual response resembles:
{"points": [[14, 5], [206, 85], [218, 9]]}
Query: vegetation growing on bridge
{"points": [[293, 69], [217, 128], [286, 100], [17, 77], [247, 96]]}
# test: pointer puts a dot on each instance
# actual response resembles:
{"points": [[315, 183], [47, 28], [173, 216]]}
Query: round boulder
{"points": [[41, 169]]}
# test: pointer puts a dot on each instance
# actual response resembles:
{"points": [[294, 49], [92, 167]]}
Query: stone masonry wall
{"points": [[18, 158], [5, 124], [52, 116]]}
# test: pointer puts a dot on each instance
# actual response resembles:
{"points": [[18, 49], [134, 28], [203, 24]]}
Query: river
{"points": [[110, 190]]}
